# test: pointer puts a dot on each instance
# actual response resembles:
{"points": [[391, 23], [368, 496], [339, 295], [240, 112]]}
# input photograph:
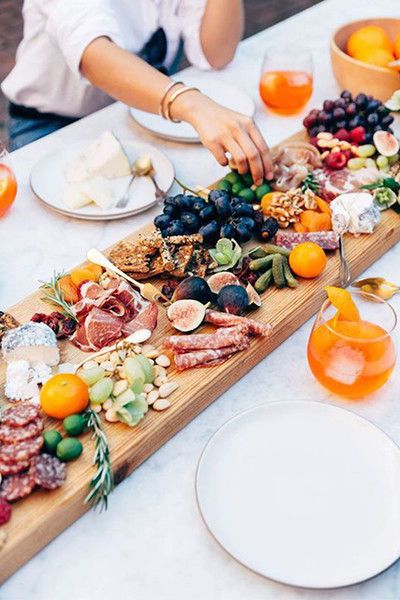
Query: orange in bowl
{"points": [[380, 57], [397, 46], [367, 37]]}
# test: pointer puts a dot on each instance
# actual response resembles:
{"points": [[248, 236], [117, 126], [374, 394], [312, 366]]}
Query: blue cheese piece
{"points": [[354, 213], [33, 342], [104, 157]]}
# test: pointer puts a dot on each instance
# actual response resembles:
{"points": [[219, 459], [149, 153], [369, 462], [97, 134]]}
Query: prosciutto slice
{"points": [[99, 329]]}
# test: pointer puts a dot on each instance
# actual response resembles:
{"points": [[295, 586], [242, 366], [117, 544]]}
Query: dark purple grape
{"points": [[162, 221], [388, 120], [339, 103], [346, 95], [210, 231], [368, 137], [382, 111], [369, 97], [354, 122], [372, 106], [325, 118], [176, 227], [222, 194], [338, 113], [361, 101], [309, 121], [223, 208], [198, 205], [247, 222], [341, 124], [170, 210], [351, 109], [214, 194], [208, 213], [328, 105], [227, 231], [183, 202], [236, 200], [319, 129], [242, 234], [378, 128], [243, 210], [372, 119], [389, 129], [313, 131], [190, 221]]}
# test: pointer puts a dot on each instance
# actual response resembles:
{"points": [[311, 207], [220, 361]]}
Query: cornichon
{"points": [[261, 264], [257, 252], [263, 281], [272, 249], [278, 271], [290, 278]]}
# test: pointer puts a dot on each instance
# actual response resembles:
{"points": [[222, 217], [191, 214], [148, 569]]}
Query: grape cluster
{"points": [[220, 216], [348, 113]]}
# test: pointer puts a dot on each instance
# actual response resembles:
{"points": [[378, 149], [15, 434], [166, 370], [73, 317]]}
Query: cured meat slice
{"points": [[13, 468], [47, 471], [100, 329], [146, 319], [11, 453], [221, 319], [15, 435], [228, 336], [328, 240], [208, 356], [16, 487], [19, 414]]}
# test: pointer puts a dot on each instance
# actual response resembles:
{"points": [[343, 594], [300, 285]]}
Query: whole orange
{"points": [[370, 36], [374, 56], [307, 260], [397, 47], [63, 395]]}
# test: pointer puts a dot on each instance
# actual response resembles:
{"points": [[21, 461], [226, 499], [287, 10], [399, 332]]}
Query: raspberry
{"points": [[336, 160], [343, 135], [358, 135], [5, 511]]}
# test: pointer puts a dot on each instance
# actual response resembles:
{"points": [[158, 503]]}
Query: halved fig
{"points": [[186, 315], [386, 143], [254, 297], [219, 280]]}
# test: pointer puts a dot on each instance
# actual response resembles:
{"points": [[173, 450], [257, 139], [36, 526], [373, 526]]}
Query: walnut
{"points": [[286, 207]]}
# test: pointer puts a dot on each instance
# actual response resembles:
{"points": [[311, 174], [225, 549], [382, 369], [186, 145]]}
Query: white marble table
{"points": [[152, 544]]}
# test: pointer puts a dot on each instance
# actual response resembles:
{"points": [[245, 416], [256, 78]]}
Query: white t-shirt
{"points": [[56, 33]]}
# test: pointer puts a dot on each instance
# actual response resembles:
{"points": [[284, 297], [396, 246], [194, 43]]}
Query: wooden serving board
{"points": [[43, 515]]}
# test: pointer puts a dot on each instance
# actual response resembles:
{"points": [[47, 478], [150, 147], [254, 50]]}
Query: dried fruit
{"points": [[186, 315]]}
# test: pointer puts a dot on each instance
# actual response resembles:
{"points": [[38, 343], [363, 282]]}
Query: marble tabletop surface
{"points": [[152, 544]]}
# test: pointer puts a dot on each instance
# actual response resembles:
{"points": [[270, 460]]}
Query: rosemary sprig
{"points": [[387, 182], [53, 294], [102, 483]]}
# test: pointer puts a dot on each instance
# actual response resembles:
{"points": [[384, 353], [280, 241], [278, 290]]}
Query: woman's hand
{"points": [[223, 130]]}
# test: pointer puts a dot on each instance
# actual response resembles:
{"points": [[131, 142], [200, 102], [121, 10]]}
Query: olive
{"points": [[223, 208], [51, 439], [233, 177], [224, 185], [162, 221], [69, 449], [190, 221], [247, 194], [74, 424], [208, 213], [227, 231], [237, 187], [262, 189], [269, 228]]}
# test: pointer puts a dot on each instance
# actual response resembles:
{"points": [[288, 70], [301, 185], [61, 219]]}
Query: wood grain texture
{"points": [[43, 515]]}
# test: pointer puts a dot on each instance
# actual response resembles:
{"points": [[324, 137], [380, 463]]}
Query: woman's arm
{"points": [[221, 30], [132, 81]]}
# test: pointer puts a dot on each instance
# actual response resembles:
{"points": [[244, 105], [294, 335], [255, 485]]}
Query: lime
{"points": [[247, 194], [237, 187], [233, 177], [74, 424], [51, 437], [224, 185], [262, 189]]}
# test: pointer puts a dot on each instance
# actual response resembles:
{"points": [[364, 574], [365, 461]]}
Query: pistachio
{"points": [[167, 388], [114, 358], [161, 404], [163, 360], [152, 397]]}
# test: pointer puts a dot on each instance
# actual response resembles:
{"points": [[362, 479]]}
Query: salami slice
{"points": [[47, 471], [12, 453], [13, 468], [15, 435], [227, 320], [209, 356], [19, 415], [16, 487], [328, 240], [228, 336]]}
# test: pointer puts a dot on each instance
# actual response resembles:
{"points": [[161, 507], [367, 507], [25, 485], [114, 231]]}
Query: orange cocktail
{"points": [[353, 357], [8, 182]]}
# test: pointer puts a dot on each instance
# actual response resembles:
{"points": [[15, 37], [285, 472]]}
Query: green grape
{"points": [[233, 177], [92, 375], [356, 163], [237, 187], [147, 367], [133, 369], [366, 150], [224, 185], [370, 163], [101, 391], [393, 159], [382, 162]]}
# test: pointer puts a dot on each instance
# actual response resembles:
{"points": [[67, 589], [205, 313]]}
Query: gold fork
{"points": [[147, 290]]}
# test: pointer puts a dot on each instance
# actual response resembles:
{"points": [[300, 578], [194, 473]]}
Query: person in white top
{"points": [[78, 56]]}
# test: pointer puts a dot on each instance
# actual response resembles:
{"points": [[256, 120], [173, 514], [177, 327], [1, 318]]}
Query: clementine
{"points": [[370, 36], [397, 46], [374, 56], [307, 260], [63, 395]]}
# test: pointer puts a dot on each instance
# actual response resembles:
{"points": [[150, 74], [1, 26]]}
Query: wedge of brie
{"points": [[100, 191], [104, 157]]}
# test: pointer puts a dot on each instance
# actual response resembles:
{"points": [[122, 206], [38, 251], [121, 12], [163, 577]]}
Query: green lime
{"points": [[248, 179], [247, 194], [237, 187], [224, 185], [74, 424], [233, 177], [51, 439], [69, 449], [262, 189]]}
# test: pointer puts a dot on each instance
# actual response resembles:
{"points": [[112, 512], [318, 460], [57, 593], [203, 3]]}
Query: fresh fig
{"points": [[193, 288], [386, 143], [186, 315], [233, 299], [219, 280], [254, 297]]}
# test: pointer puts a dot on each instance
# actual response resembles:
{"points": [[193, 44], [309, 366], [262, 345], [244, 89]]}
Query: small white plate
{"points": [[304, 493], [48, 182], [226, 94]]}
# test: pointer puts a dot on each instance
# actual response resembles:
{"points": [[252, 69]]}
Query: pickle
{"points": [[257, 252], [278, 271], [261, 264], [291, 280], [263, 281], [272, 249]]}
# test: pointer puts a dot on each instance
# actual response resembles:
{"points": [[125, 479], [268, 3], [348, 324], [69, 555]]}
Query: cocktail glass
{"points": [[8, 182]]}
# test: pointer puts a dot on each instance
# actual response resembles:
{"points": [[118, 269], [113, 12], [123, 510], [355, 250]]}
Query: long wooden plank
{"points": [[41, 517]]}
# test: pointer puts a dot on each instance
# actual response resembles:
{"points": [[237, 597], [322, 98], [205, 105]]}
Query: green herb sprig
{"points": [[309, 183], [387, 182], [102, 484], [53, 294]]}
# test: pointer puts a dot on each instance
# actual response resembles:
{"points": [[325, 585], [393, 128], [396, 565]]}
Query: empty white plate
{"points": [[226, 94], [304, 493], [49, 184]]}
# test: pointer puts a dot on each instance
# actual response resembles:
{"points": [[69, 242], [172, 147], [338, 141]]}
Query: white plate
{"points": [[304, 493], [49, 184], [226, 94]]}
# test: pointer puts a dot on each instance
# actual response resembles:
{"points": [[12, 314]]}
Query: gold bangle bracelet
{"points": [[172, 99], [169, 87]]}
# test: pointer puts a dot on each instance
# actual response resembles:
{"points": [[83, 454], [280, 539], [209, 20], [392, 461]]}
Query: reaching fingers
{"points": [[219, 153], [253, 156], [237, 154], [265, 153]]}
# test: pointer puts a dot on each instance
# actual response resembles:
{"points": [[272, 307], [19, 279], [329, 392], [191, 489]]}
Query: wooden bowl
{"points": [[356, 76]]}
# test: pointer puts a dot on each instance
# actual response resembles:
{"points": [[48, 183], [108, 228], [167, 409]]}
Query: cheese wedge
{"points": [[74, 197], [100, 191], [104, 157]]}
